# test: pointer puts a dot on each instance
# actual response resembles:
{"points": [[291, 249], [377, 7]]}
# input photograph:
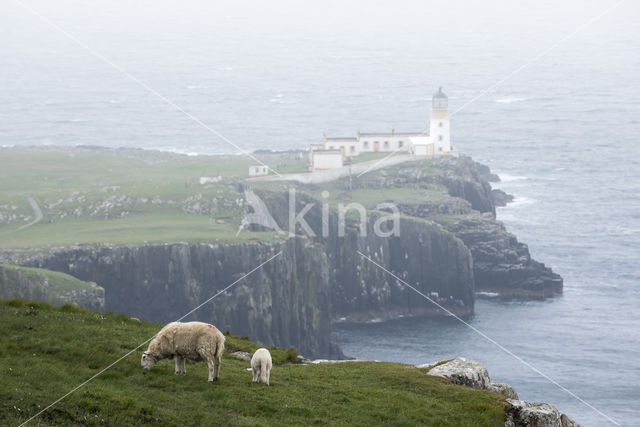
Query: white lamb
{"points": [[195, 341], [261, 365]]}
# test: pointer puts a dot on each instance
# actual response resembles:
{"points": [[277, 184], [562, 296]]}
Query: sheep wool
{"points": [[195, 341], [261, 365]]}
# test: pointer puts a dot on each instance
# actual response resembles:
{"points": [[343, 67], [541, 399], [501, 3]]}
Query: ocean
{"points": [[561, 131]]}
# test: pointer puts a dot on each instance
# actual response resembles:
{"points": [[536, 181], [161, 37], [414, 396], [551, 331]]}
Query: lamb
{"points": [[261, 365], [195, 341]]}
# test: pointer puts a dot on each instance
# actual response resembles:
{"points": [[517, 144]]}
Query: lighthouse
{"points": [[439, 129]]}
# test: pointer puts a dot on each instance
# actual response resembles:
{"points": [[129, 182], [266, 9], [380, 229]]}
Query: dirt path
{"points": [[36, 210]]}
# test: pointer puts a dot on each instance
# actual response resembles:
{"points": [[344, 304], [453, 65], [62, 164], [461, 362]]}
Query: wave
{"points": [[519, 200], [510, 100], [278, 99], [488, 294], [504, 177]]}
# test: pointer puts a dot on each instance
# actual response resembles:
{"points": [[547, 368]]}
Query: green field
{"points": [[47, 351], [91, 196], [56, 281], [101, 197]]}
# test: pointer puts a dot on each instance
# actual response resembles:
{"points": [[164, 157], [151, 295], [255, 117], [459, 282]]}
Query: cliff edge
{"points": [[162, 234]]}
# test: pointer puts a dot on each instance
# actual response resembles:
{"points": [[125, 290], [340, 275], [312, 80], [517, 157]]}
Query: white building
{"points": [[432, 141], [322, 159], [258, 170], [209, 179]]}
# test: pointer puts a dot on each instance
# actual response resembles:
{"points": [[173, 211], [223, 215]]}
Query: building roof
{"points": [[341, 139], [392, 134], [327, 151]]}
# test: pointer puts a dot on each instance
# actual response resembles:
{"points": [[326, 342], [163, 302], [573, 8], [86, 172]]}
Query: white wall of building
{"points": [[371, 144], [422, 146], [258, 170], [326, 160], [439, 130]]}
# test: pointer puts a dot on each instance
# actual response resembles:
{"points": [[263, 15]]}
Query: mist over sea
{"points": [[563, 133]]}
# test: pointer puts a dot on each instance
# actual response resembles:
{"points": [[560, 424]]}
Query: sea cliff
{"points": [[449, 246], [291, 300]]}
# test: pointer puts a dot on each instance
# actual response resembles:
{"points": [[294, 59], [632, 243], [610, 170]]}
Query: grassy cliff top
{"points": [[57, 282], [59, 197], [46, 351]]}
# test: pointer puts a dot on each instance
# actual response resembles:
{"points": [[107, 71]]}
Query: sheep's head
{"points": [[148, 360]]}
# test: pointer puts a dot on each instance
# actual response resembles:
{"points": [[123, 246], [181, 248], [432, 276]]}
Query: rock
{"points": [[568, 422], [485, 173], [501, 263], [469, 373], [303, 360], [242, 355], [521, 413], [463, 372], [500, 198], [427, 365], [504, 389]]}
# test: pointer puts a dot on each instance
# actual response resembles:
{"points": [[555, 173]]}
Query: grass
{"points": [[57, 282], [135, 197], [371, 197], [143, 228], [102, 197], [46, 351]]}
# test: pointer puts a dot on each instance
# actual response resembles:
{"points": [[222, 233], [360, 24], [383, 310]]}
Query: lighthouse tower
{"points": [[439, 129]]}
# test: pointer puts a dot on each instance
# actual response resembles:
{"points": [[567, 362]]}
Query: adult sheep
{"points": [[195, 341], [261, 365]]}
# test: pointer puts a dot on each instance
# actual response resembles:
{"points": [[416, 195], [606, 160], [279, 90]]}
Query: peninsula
{"points": [[162, 232]]}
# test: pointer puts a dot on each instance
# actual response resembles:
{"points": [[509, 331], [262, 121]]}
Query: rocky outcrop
{"points": [[485, 173], [463, 372], [501, 263], [526, 414], [471, 374], [500, 198], [457, 175], [48, 286], [519, 413], [503, 389]]}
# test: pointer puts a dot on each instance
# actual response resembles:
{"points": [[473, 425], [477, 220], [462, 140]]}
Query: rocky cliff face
{"points": [[292, 300], [286, 302], [423, 254], [501, 263]]}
